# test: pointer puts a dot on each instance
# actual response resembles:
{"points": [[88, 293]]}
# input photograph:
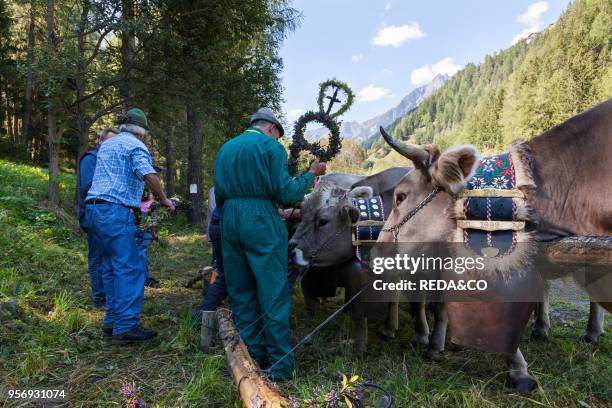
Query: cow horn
{"points": [[419, 156]]}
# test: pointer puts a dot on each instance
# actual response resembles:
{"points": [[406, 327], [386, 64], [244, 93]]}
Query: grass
{"points": [[52, 338]]}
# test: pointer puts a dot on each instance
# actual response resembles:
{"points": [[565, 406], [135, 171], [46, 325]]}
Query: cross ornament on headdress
{"points": [[332, 100]]}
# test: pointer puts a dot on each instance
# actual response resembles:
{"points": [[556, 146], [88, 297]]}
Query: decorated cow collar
{"points": [[371, 220]]}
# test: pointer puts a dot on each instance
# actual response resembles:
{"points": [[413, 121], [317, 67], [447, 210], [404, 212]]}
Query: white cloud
{"points": [[372, 93], [533, 15], [356, 58], [427, 72], [294, 114], [388, 6], [531, 19], [397, 35]]}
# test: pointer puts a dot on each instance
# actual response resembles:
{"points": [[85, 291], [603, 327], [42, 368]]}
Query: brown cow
{"points": [[322, 243], [571, 171]]}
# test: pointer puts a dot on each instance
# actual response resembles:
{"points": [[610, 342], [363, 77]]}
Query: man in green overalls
{"points": [[251, 180]]}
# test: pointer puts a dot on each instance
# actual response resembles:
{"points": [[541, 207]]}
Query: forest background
{"points": [[199, 68]]}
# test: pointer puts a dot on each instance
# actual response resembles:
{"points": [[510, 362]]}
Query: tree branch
{"points": [[97, 91], [105, 23], [104, 111], [97, 47]]}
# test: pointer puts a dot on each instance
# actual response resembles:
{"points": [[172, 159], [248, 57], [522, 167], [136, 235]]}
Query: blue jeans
{"points": [[123, 274], [218, 291], [95, 262], [143, 240]]}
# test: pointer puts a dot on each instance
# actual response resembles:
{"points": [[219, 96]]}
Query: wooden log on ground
{"points": [[591, 257], [579, 250], [256, 391], [207, 331]]}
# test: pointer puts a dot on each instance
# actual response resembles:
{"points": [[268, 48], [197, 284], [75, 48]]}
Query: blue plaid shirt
{"points": [[123, 161]]}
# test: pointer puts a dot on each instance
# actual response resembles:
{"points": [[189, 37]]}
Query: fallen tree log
{"points": [[596, 251], [256, 391], [590, 260]]}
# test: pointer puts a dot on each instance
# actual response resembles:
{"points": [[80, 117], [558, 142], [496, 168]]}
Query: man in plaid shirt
{"points": [[124, 166]]}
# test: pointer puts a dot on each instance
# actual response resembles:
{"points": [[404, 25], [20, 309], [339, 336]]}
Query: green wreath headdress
{"points": [[325, 117]]}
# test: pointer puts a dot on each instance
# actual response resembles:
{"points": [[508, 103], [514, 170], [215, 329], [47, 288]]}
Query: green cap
{"points": [[136, 117]]}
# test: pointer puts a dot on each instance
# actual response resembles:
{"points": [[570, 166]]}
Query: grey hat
{"points": [[267, 115]]}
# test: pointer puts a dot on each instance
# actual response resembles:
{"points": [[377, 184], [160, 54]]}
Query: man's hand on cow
{"points": [[317, 168], [168, 204], [290, 214]]}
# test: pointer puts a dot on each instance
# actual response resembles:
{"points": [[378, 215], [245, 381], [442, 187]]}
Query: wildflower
{"points": [[332, 398], [133, 400]]}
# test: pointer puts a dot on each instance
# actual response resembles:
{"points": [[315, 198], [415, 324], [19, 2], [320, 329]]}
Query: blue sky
{"points": [[384, 49]]}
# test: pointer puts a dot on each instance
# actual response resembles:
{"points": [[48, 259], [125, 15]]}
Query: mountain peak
{"points": [[362, 131]]}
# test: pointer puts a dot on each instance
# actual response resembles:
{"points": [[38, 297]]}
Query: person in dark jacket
{"points": [[217, 291], [87, 165]]}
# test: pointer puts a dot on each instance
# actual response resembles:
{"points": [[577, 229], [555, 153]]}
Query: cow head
{"points": [[323, 237], [445, 172]]}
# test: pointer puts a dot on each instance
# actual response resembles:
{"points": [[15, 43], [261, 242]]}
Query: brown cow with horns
{"points": [[571, 196]]}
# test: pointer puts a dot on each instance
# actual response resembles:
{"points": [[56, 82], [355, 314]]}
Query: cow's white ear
{"points": [[362, 192], [454, 167]]}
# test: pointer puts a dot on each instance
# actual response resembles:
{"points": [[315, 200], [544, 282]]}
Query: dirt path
{"points": [[568, 301]]}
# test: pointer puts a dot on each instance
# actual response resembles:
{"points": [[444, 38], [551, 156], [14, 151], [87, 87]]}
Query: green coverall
{"points": [[251, 179]]}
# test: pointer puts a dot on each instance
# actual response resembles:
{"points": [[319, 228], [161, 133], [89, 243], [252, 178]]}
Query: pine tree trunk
{"points": [[79, 115], [53, 194], [27, 98], [16, 115], [1, 105], [170, 165], [9, 116], [79, 79], [194, 169], [128, 46]]}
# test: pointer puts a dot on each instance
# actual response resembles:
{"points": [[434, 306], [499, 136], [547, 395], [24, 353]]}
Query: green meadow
{"points": [[50, 335]]}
